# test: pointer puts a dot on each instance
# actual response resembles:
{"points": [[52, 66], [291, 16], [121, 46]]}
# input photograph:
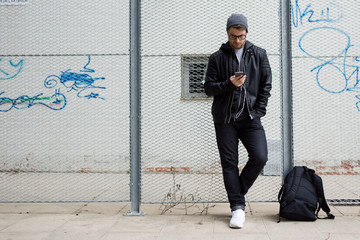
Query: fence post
{"points": [[287, 127], [135, 80]]}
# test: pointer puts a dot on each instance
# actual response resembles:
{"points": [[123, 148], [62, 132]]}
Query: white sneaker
{"points": [[238, 219]]}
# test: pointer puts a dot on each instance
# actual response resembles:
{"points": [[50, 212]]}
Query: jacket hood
{"points": [[226, 46]]}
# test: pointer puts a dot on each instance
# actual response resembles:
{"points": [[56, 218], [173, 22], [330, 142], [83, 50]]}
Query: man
{"points": [[239, 103]]}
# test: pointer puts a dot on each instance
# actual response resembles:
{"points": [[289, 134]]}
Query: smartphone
{"points": [[241, 73]]}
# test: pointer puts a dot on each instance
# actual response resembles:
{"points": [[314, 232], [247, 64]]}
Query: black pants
{"points": [[252, 135]]}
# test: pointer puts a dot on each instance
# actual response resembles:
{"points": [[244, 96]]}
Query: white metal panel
{"points": [[65, 27], [326, 93], [64, 93], [178, 136]]}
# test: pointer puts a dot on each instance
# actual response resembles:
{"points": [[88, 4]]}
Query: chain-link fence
{"points": [[64, 98]]}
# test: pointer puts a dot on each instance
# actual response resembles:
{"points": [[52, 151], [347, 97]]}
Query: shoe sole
{"points": [[235, 226]]}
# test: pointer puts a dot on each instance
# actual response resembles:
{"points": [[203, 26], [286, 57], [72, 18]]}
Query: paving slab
{"points": [[108, 221]]}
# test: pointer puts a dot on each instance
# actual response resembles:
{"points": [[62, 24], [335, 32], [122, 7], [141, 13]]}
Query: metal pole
{"points": [[135, 80], [287, 130]]}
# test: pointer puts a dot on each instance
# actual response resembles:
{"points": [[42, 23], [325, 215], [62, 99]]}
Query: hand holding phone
{"points": [[238, 79], [240, 73]]}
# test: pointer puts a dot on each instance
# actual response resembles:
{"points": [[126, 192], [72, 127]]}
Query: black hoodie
{"points": [[223, 64]]}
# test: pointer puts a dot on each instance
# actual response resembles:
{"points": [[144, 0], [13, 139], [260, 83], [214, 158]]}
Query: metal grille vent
{"points": [[197, 77], [193, 76]]}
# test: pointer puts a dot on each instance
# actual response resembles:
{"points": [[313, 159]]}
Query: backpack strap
{"points": [[321, 195], [281, 192]]}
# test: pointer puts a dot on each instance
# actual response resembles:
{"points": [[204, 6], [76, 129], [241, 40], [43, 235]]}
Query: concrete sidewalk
{"points": [[106, 221]]}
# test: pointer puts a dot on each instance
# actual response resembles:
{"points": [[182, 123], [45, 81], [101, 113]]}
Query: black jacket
{"points": [[223, 64]]}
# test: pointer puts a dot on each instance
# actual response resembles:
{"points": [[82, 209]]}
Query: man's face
{"points": [[236, 38]]}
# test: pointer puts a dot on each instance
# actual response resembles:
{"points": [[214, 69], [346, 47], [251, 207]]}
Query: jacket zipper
{"points": [[247, 100], [229, 106], [228, 115], [241, 91]]}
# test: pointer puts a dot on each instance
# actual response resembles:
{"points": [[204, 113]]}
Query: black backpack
{"points": [[302, 195]]}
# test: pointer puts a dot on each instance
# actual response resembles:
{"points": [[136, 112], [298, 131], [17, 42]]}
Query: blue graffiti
{"points": [[347, 68], [86, 69], [331, 14], [7, 71], [57, 101], [82, 83]]}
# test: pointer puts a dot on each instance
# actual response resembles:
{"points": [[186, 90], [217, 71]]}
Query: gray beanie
{"points": [[237, 19]]}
